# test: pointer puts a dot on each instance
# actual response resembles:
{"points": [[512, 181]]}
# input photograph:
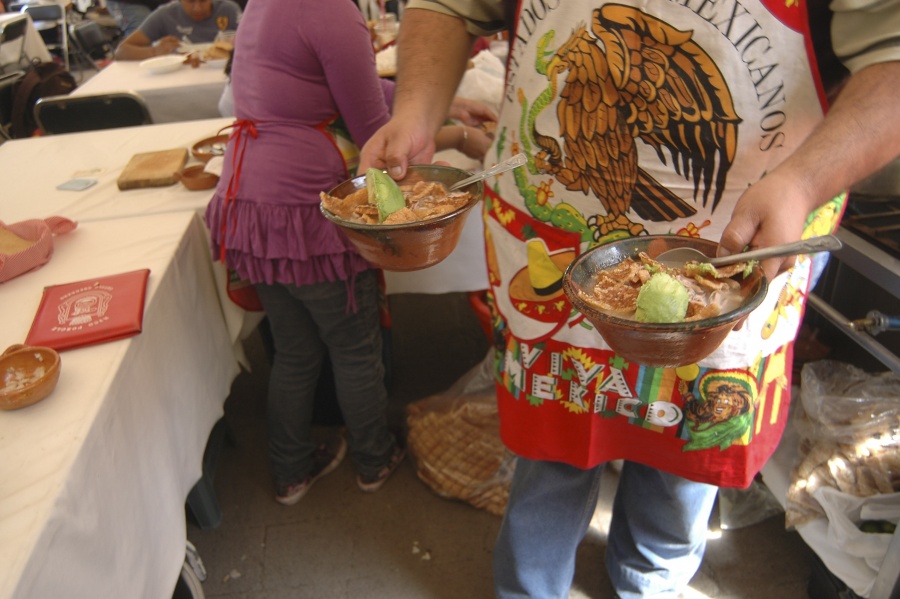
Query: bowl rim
{"points": [[195, 147], [661, 327], [193, 170], [195, 178], [402, 226], [50, 372], [161, 61], [392, 227]]}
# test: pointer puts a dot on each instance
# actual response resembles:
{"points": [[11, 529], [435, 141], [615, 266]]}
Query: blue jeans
{"points": [[656, 539], [128, 16], [309, 323]]}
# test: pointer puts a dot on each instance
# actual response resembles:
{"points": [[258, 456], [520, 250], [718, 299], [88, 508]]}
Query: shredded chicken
{"points": [[712, 290], [424, 200]]}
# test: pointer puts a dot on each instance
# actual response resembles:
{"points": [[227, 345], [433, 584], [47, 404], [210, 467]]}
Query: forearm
{"points": [[433, 50], [127, 51], [454, 137], [859, 135]]}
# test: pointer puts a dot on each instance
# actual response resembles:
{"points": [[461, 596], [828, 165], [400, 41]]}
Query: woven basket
{"points": [[458, 451]]}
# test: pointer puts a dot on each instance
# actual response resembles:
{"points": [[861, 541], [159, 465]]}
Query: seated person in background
{"points": [[189, 21], [129, 14]]}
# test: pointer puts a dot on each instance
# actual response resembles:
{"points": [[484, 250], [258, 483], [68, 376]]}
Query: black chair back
{"points": [[13, 31], [89, 38], [70, 114], [45, 12], [50, 21]]}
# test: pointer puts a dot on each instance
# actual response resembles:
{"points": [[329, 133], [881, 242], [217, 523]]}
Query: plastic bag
{"points": [[849, 426], [454, 438], [861, 553]]}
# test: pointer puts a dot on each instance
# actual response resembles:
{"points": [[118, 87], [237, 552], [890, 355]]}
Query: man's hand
{"points": [[397, 145], [771, 212], [860, 134], [167, 45], [138, 46]]}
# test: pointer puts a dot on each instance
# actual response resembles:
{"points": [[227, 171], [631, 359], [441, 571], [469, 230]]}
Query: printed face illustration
{"points": [[723, 401]]}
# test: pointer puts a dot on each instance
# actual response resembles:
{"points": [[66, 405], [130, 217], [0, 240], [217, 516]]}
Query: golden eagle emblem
{"points": [[635, 77]]}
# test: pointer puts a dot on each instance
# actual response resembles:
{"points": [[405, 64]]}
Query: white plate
{"points": [[162, 64]]}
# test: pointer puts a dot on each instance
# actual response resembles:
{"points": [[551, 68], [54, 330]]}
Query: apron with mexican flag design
{"points": [[643, 118]]}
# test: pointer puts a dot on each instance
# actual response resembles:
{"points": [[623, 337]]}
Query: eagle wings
{"points": [[644, 80]]}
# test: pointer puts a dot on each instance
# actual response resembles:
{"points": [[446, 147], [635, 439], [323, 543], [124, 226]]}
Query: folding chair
{"points": [[69, 114], [50, 21], [88, 43], [13, 32], [7, 89]]}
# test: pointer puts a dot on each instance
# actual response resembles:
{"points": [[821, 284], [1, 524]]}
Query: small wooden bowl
{"points": [[196, 179], [28, 374], [210, 147]]}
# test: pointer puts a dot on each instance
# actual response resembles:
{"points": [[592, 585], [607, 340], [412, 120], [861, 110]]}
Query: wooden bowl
{"points": [[196, 179], [28, 375], [209, 147], [663, 345]]}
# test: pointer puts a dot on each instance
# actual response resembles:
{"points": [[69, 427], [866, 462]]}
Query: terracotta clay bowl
{"points": [[28, 374], [208, 148], [410, 246], [663, 345], [196, 179]]}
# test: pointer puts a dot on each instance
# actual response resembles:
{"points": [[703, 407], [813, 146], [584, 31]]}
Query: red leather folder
{"points": [[92, 311]]}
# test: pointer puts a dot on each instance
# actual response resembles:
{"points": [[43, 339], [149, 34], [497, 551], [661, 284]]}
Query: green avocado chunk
{"points": [[384, 193], [662, 299]]}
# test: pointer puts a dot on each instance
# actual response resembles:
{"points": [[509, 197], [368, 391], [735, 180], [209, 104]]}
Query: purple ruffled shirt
{"points": [[297, 64]]}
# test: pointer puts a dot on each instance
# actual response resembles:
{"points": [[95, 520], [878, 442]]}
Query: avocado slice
{"points": [[384, 193]]}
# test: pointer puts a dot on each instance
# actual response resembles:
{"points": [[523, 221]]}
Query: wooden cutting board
{"points": [[153, 169]]}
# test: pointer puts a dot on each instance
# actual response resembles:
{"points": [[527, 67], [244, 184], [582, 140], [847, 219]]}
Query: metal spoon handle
{"points": [[500, 167], [824, 243]]}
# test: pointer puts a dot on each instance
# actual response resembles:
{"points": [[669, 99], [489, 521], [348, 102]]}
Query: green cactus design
{"points": [[562, 215]]}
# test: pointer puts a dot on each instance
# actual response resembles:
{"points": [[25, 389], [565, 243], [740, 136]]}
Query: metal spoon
{"points": [[825, 243], [500, 167]]}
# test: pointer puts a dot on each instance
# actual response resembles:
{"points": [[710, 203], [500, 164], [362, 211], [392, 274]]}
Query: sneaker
{"points": [[373, 482], [326, 459]]}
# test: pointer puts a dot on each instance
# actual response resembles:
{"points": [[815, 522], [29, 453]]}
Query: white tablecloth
{"points": [[184, 95], [94, 478], [34, 167], [42, 163], [465, 268], [34, 45]]}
